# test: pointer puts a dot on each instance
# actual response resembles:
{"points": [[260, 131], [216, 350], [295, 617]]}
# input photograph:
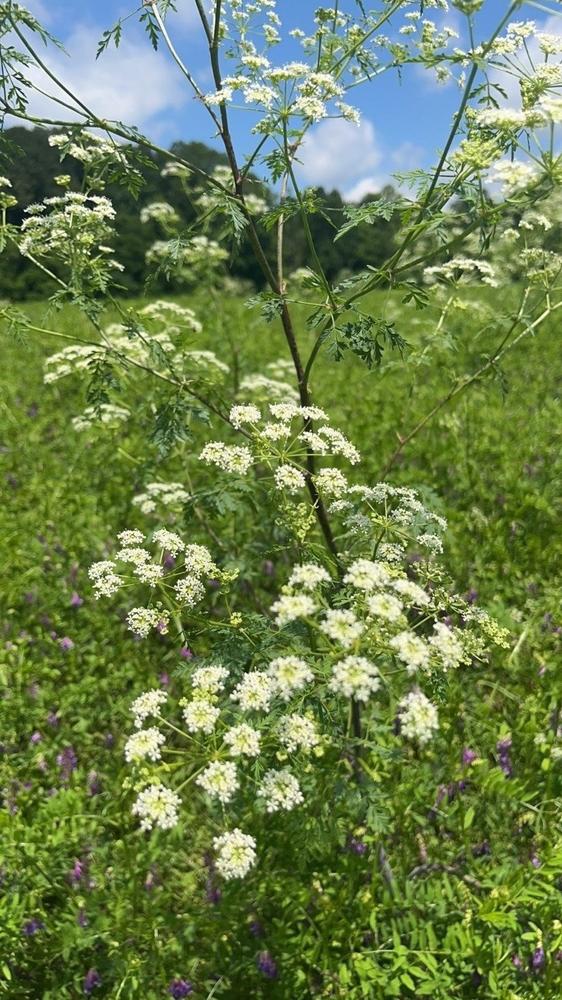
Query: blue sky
{"points": [[404, 121]]}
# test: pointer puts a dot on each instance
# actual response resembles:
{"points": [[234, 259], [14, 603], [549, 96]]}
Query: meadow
{"points": [[454, 891]]}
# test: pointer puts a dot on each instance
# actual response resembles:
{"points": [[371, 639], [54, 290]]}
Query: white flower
{"points": [[236, 853], [332, 482], [447, 646], [133, 554], [367, 575], [240, 415], [355, 677], [287, 477], [243, 740], [412, 650], [284, 411], [289, 607], [385, 606], [342, 626], [131, 537], [145, 743], [229, 458], [209, 679], [254, 691], [189, 591], [142, 620], [198, 560], [309, 576], [296, 732], [275, 432], [104, 578], [339, 444], [289, 674], [280, 790], [219, 780], [148, 703], [200, 716], [418, 717], [157, 806], [169, 541], [411, 592], [148, 572]]}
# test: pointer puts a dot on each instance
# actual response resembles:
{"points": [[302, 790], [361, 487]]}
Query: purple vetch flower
{"points": [[213, 894], [77, 872], [93, 783], [32, 926], [75, 600], [164, 679], [35, 738], [66, 643], [503, 747], [30, 597], [109, 741], [169, 561], [468, 756], [91, 980], [472, 596], [267, 965], [356, 846], [517, 962], [53, 719], [268, 567], [481, 850], [68, 762], [179, 988], [151, 880], [538, 960], [256, 928], [535, 860], [81, 918], [186, 653]]}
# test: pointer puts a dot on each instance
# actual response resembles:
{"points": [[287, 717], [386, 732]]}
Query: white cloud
{"points": [[337, 153], [133, 84]]}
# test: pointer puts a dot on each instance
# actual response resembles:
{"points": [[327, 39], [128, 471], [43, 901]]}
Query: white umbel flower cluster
{"points": [[236, 854], [280, 790], [289, 675], [243, 740], [355, 677], [296, 732], [219, 780], [157, 806], [148, 704], [254, 692], [418, 717], [200, 716], [145, 744]]}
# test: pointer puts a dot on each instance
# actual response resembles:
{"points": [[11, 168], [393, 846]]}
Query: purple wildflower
{"points": [[68, 762], [186, 653], [267, 965], [94, 783], [81, 918], [75, 600], [503, 747], [538, 959], [32, 926], [164, 679], [269, 567], [66, 643], [179, 988], [53, 719], [468, 756], [35, 738], [91, 980]]}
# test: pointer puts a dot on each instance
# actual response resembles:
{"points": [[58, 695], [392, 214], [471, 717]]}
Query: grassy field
{"points": [[80, 888]]}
